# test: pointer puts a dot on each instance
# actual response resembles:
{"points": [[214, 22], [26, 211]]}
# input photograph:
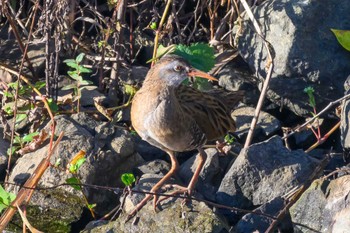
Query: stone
{"points": [[210, 176], [267, 124], [4, 146], [345, 118], [263, 172], [88, 93], [305, 54], [257, 223], [174, 217], [158, 166], [323, 207]]}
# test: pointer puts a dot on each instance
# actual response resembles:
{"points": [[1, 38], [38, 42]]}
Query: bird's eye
{"points": [[178, 68]]}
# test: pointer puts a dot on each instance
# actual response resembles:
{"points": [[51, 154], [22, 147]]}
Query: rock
{"points": [[263, 172], [305, 54], [267, 124], [345, 117], [53, 202], [4, 145], [257, 223], [158, 166], [11, 54], [109, 154], [148, 151], [134, 76], [146, 182], [236, 76], [88, 93], [210, 176], [175, 217], [323, 207], [86, 121]]}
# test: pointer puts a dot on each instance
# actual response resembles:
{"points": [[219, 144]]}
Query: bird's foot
{"points": [[144, 201], [223, 147], [179, 190]]}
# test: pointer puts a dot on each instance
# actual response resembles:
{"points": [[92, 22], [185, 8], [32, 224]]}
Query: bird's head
{"points": [[174, 70]]}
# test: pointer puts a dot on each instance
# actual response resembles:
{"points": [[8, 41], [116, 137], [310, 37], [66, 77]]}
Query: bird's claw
{"points": [[180, 190]]}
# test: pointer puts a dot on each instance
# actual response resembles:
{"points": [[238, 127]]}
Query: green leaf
{"points": [[80, 57], [58, 162], [129, 89], [310, 92], [73, 65], [161, 51], [69, 61], [5, 198], [199, 55], [229, 139], [17, 139], [52, 104], [153, 26], [101, 43], [82, 69], [128, 179], [40, 84], [74, 182], [8, 94], [343, 37], [11, 152], [85, 82], [73, 168], [13, 85], [29, 137], [80, 162], [74, 75], [91, 206], [70, 86], [20, 117]]}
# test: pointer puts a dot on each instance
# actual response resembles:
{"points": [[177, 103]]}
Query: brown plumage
{"points": [[175, 117]]}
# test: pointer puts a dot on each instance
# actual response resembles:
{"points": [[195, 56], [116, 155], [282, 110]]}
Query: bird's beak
{"points": [[201, 74]]}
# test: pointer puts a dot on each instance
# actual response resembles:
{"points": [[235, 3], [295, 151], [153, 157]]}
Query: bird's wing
{"points": [[208, 111]]}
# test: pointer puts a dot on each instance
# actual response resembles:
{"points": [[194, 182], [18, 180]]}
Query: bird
{"points": [[176, 117]]}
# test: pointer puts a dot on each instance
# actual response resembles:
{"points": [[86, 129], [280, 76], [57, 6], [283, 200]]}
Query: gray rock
{"points": [[86, 121], [257, 223], [88, 93], [345, 117], [237, 76], [323, 207], [104, 166], [4, 145], [305, 54], [10, 54], [133, 76], [158, 166], [267, 124], [146, 182], [263, 172], [173, 217], [210, 176], [195, 217]]}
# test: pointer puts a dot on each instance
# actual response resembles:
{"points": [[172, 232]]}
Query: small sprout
{"points": [[91, 206], [58, 162], [5, 198], [229, 139], [128, 179], [74, 183], [29, 137], [310, 92], [76, 162], [153, 26]]}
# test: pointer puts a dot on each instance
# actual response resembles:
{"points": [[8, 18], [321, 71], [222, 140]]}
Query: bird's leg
{"points": [[189, 189], [157, 186]]}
